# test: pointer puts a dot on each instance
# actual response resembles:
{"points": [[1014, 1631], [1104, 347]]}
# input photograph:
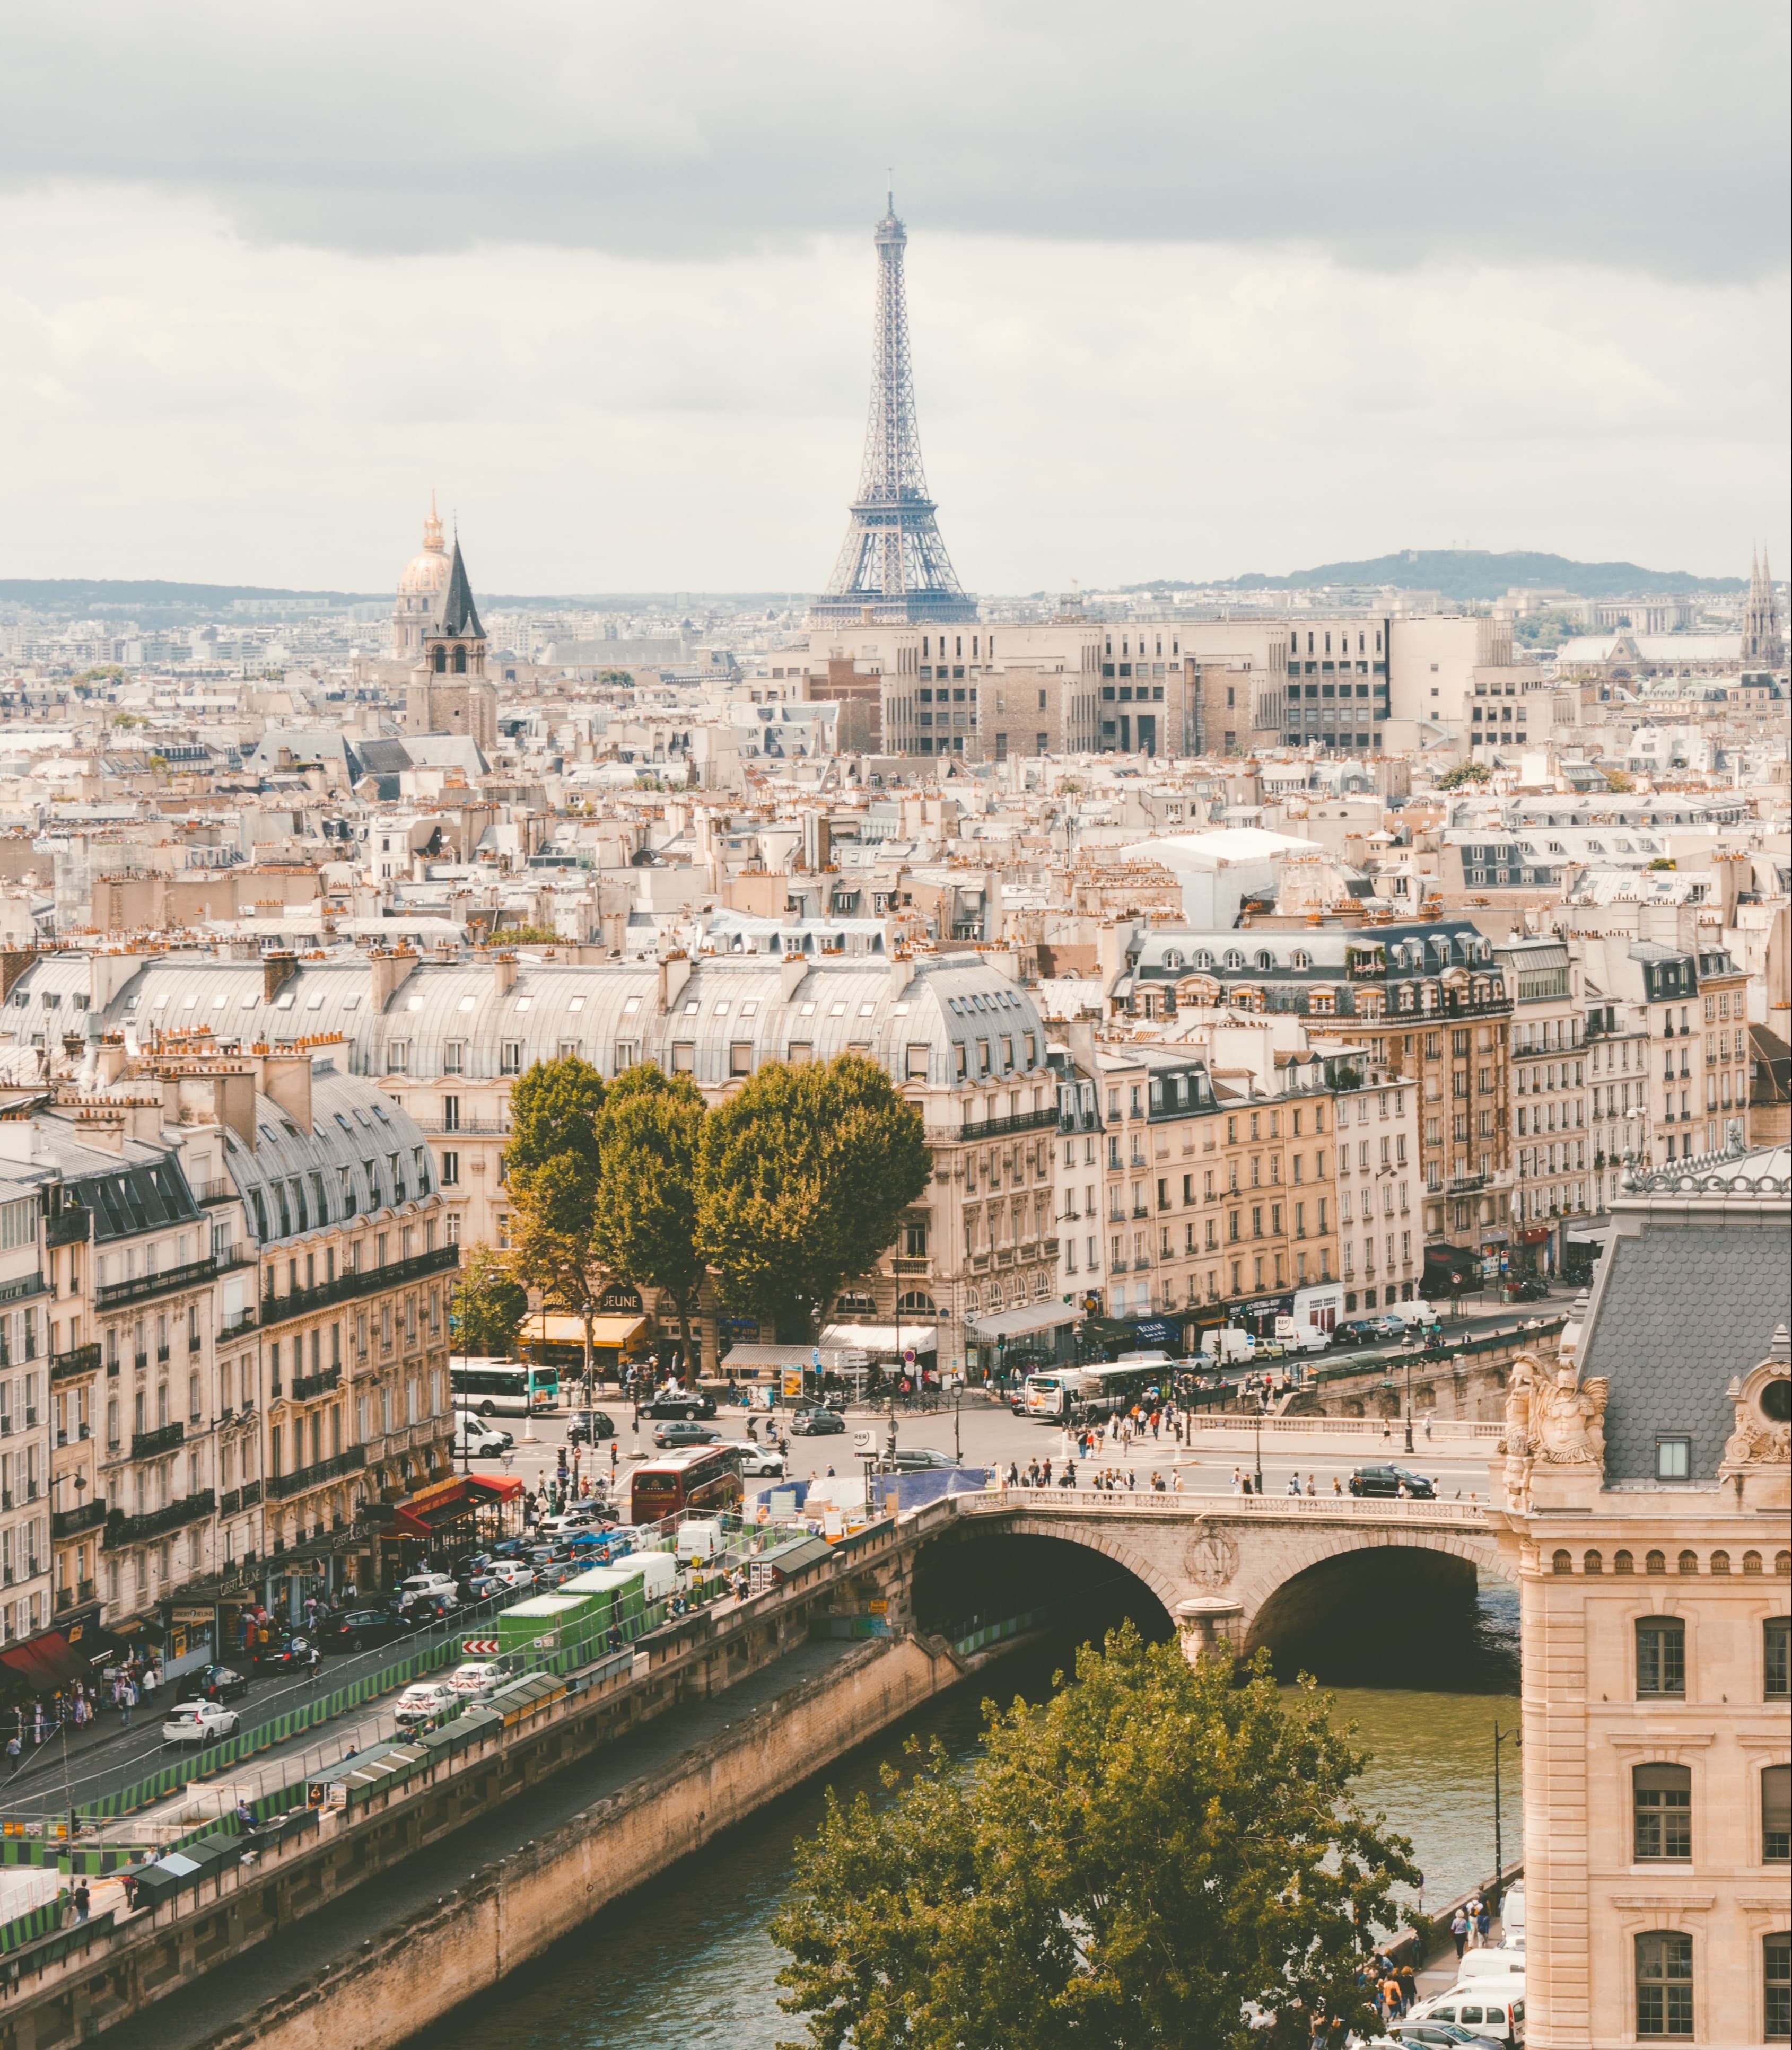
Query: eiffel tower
{"points": [[892, 559]]}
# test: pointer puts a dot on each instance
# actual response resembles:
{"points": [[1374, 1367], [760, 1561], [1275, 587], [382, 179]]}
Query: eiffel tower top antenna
{"points": [[893, 559]]}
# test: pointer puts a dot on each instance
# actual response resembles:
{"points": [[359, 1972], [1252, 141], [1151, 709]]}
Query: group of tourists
{"points": [[1244, 1483]]}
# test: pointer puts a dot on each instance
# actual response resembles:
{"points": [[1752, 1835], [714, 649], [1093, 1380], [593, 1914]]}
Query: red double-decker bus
{"points": [[705, 1481]]}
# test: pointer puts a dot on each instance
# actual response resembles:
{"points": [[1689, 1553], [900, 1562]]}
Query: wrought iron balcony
{"points": [[70, 1365], [282, 1486], [70, 1522], [141, 1287], [365, 1282], [122, 1530], [151, 1444]]}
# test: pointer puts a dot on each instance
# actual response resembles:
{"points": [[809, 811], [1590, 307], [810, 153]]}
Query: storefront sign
{"points": [[620, 1300], [192, 1615]]}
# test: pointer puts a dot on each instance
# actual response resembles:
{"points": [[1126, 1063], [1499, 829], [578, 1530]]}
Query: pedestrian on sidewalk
{"points": [[1459, 1933], [82, 1901], [15, 1751], [128, 1701]]}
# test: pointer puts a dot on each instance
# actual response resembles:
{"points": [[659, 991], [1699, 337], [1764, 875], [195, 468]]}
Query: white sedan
{"points": [[423, 1706], [199, 1722]]}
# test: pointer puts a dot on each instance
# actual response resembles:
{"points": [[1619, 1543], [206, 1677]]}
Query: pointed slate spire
{"points": [[459, 616]]}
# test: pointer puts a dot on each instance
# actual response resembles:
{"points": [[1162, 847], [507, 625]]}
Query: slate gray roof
{"points": [[1676, 1310]]}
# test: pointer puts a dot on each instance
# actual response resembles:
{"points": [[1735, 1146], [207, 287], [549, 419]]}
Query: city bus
{"points": [[1085, 1394], [504, 1387], [705, 1480]]}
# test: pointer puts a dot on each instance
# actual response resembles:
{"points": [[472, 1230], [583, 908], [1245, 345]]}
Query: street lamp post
{"points": [[1516, 1738], [1409, 1402], [1257, 1424]]}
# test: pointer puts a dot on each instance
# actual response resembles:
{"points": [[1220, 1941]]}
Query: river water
{"points": [[685, 1961]]}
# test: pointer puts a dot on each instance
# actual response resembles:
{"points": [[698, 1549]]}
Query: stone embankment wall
{"points": [[414, 1970], [1467, 1386]]}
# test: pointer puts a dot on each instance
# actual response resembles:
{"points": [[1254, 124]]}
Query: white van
{"points": [[1495, 2007], [699, 1541], [1227, 1345]]}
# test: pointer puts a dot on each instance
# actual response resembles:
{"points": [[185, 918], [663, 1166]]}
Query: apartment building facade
{"points": [[1553, 1140], [1640, 1495]]}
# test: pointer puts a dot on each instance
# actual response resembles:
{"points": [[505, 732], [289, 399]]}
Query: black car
{"points": [[588, 1426], [1388, 1480], [216, 1683], [687, 1403], [665, 1436], [355, 1629], [816, 1424]]}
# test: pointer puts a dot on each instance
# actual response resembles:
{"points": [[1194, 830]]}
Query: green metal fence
{"points": [[158, 1786]]}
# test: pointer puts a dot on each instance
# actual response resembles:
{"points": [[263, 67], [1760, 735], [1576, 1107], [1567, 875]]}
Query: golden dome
{"points": [[427, 573]]}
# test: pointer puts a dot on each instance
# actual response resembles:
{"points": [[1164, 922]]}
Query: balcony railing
{"points": [[122, 1530], [307, 1387], [365, 1282], [70, 1522], [220, 1191], [70, 1365], [281, 1485], [437, 1127], [151, 1444], [71, 1228], [142, 1286], [1005, 1128]]}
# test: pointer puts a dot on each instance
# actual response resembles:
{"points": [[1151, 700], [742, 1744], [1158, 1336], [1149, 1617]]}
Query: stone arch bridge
{"points": [[1230, 1569]]}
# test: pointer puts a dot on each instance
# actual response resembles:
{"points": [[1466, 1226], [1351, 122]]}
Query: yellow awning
{"points": [[548, 1327]]}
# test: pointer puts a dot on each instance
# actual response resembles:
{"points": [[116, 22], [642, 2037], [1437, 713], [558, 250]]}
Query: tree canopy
{"points": [[1464, 772], [1130, 1865], [554, 1111], [802, 1179], [649, 1131], [488, 1306], [552, 1166]]}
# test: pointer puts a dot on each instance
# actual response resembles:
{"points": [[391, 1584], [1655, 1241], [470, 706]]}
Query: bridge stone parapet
{"points": [[1216, 1563]]}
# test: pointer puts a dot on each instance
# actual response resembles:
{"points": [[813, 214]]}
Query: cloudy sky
{"points": [[1194, 288]]}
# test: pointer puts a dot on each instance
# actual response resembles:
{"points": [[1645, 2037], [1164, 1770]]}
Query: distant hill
{"points": [[1474, 573], [125, 594]]}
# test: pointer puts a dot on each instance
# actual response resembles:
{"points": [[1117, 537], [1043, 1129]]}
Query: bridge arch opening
{"points": [[1393, 1615], [967, 1580]]}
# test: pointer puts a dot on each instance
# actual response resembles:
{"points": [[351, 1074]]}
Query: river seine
{"points": [[686, 1961]]}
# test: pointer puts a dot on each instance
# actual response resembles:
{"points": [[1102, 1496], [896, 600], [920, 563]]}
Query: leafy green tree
{"points": [[554, 1112], [528, 936], [1465, 772], [649, 1131], [552, 1166], [1130, 1865], [802, 1179], [1617, 781], [488, 1306]]}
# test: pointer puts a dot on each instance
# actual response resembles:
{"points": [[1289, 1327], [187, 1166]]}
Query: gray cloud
{"points": [[1645, 135]]}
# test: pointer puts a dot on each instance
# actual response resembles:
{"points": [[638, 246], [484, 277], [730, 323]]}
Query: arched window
{"points": [[440, 663], [1664, 1981], [1562, 1562], [460, 661], [1266, 960], [1300, 960], [1592, 1563], [1203, 958], [1689, 1562], [1720, 1562], [1656, 1562], [854, 1303], [1752, 1562], [1233, 958], [916, 1302], [1621, 1562]]}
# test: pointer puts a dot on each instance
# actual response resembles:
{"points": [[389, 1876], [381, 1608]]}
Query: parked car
{"points": [[440, 1606], [689, 1403], [1388, 1480], [425, 1704], [1439, 2036], [218, 1683], [582, 1516], [589, 1426], [512, 1575], [666, 1436], [920, 1459], [1361, 1331], [479, 1678], [416, 1585], [357, 1629], [753, 1460], [816, 1424], [199, 1722]]}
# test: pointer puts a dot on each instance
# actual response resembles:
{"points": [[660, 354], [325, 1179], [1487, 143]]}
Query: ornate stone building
{"points": [[1763, 645], [1642, 1498]]}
